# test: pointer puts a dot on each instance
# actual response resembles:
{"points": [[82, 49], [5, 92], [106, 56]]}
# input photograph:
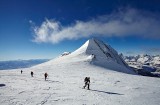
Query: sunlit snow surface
{"points": [[65, 82]]}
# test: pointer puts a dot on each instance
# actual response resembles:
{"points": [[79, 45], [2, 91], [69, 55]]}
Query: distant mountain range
{"points": [[143, 59], [146, 62], [15, 64]]}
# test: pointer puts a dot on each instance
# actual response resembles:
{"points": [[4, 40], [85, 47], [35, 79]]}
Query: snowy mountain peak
{"points": [[93, 53], [93, 46], [104, 55]]}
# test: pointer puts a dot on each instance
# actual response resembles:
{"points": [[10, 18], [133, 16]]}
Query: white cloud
{"points": [[123, 22]]}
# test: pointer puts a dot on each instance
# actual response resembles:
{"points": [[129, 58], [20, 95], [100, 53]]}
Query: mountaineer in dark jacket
{"points": [[21, 71], [45, 75], [87, 82], [31, 73]]}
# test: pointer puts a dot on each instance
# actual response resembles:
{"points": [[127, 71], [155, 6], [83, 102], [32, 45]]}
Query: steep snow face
{"points": [[82, 49], [103, 55]]}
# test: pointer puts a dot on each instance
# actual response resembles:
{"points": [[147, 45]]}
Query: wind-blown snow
{"points": [[65, 82]]}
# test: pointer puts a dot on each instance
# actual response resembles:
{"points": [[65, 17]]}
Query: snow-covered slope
{"points": [[65, 82]]}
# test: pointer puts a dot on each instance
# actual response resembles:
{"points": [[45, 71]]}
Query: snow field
{"points": [[65, 82]]}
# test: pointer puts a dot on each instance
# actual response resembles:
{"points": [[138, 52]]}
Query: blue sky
{"points": [[37, 29]]}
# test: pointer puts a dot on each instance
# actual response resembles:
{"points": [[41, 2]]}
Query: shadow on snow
{"points": [[1, 85], [106, 92]]}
